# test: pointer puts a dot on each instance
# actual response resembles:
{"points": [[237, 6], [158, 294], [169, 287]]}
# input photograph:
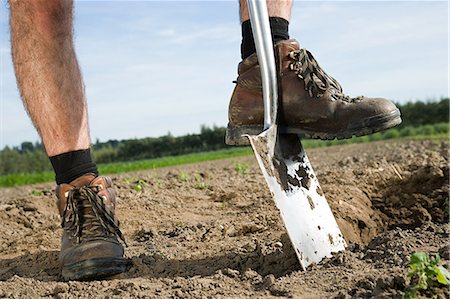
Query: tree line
{"points": [[30, 157]]}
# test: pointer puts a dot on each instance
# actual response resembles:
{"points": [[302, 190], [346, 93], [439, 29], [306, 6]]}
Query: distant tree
{"points": [[8, 160], [421, 113], [26, 147]]}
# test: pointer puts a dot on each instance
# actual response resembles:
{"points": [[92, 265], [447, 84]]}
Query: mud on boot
{"points": [[311, 103], [90, 247]]}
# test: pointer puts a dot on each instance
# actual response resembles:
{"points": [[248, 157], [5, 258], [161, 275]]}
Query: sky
{"points": [[154, 67]]}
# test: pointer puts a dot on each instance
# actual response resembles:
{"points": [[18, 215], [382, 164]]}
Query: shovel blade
{"points": [[304, 210]]}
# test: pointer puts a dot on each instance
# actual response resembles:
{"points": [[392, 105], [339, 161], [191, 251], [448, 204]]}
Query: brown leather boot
{"points": [[311, 103], [89, 246]]}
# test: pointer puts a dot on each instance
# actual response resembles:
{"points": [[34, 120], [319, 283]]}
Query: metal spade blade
{"points": [[307, 217], [306, 214]]}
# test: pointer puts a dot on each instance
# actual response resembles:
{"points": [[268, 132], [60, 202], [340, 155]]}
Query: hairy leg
{"points": [[276, 8], [48, 74]]}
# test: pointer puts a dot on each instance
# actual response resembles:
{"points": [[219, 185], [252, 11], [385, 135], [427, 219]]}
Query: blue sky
{"points": [[153, 67]]}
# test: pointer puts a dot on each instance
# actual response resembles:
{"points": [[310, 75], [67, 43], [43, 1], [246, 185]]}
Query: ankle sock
{"points": [[71, 165], [278, 26]]}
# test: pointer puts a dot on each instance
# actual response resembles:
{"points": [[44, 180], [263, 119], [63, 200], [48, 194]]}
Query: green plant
{"points": [[140, 184], [199, 182], [183, 176], [136, 184], [137, 187], [241, 168], [425, 273], [37, 193]]}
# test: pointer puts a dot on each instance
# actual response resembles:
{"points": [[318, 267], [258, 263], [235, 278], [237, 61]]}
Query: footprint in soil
{"points": [[278, 260], [42, 265]]}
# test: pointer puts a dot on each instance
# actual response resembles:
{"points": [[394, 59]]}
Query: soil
{"points": [[211, 230]]}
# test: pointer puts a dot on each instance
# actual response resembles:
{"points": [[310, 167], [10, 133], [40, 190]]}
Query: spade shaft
{"points": [[264, 48]]}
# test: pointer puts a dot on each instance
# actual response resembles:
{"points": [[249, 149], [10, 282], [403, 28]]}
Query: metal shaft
{"points": [[259, 19]]}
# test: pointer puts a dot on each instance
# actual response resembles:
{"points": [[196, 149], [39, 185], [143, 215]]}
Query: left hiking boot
{"points": [[311, 103], [90, 247]]}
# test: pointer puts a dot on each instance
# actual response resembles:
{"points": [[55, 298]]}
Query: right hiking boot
{"points": [[311, 103], [90, 247]]}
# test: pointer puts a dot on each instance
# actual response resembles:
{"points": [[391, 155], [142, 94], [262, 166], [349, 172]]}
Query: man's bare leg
{"points": [[48, 74], [276, 8], [52, 89]]}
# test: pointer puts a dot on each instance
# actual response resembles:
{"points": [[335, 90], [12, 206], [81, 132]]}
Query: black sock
{"points": [[71, 165], [278, 26]]}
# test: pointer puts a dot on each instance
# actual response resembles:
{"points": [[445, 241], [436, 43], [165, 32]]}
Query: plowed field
{"points": [[211, 230]]}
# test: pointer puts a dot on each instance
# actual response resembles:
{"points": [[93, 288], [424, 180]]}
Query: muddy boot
{"points": [[89, 246], [311, 103]]}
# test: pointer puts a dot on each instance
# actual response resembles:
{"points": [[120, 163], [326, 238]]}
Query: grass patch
{"points": [[19, 179], [120, 167], [436, 131]]}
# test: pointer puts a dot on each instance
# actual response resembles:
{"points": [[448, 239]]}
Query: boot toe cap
{"points": [[91, 250]]}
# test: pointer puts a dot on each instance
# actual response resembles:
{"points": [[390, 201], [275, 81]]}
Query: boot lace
{"points": [[317, 82], [89, 224]]}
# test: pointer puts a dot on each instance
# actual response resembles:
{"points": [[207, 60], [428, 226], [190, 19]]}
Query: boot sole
{"points": [[97, 268], [234, 134]]}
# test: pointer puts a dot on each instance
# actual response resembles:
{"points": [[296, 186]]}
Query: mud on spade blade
{"points": [[304, 210]]}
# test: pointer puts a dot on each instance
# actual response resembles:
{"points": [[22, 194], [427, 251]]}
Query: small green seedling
{"points": [[199, 182], [241, 168], [37, 193], [183, 176], [139, 185], [427, 273]]}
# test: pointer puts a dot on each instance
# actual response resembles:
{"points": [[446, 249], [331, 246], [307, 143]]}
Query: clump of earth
{"points": [[211, 230]]}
